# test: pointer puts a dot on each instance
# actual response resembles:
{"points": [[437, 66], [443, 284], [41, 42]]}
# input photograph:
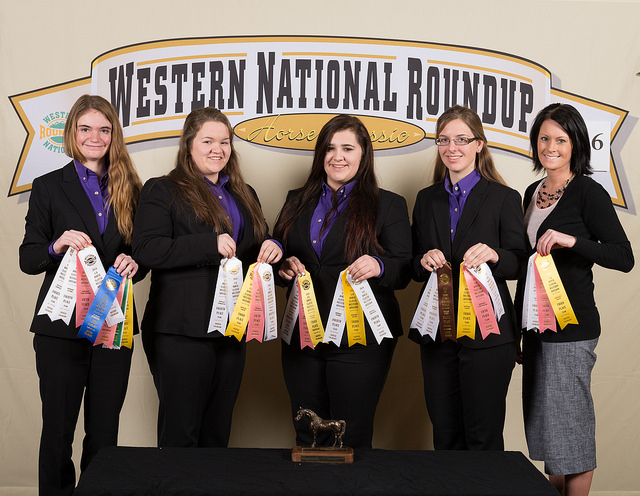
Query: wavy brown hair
{"points": [[124, 182], [362, 210], [192, 189], [484, 160]]}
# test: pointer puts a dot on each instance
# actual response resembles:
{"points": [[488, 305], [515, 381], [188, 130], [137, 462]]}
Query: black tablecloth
{"points": [[235, 471]]}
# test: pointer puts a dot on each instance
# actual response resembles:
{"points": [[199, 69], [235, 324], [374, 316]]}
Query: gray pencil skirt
{"points": [[559, 419]]}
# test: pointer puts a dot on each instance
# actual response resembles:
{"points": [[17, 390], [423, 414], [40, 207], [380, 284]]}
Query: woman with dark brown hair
{"points": [[570, 217], [187, 222], [340, 219], [468, 215], [91, 200]]}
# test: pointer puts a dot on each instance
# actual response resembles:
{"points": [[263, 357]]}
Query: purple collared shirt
{"points": [[97, 190], [228, 203], [458, 194], [319, 220]]}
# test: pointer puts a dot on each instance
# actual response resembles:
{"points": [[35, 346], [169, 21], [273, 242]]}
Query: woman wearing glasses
{"points": [[468, 216]]}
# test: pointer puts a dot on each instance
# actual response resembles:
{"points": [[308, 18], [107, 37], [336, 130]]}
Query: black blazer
{"points": [[182, 253], [59, 203], [492, 215], [584, 211], [394, 235]]}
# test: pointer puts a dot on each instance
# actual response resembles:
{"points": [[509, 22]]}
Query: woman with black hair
{"points": [[339, 219], [187, 222], [571, 217]]}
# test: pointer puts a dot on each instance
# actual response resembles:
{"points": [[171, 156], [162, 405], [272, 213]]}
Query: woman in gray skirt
{"points": [[571, 217]]}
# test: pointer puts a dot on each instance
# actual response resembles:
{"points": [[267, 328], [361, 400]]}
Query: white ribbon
{"points": [[370, 308], [265, 272], [290, 314], [427, 316], [530, 319], [60, 300], [484, 276], [226, 295]]}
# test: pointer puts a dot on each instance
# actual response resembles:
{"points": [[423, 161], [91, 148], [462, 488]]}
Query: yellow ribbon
{"points": [[354, 316], [466, 314], [240, 316], [310, 306], [555, 290], [127, 309]]}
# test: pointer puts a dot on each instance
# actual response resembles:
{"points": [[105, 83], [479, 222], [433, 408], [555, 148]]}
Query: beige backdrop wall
{"points": [[591, 47]]}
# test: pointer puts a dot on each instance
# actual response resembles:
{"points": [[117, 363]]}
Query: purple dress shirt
{"points": [[458, 194], [228, 203], [321, 225], [97, 190]]}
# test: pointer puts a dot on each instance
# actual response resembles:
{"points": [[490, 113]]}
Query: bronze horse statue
{"points": [[317, 424]]}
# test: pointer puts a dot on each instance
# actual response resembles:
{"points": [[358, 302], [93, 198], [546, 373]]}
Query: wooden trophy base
{"points": [[322, 455]]}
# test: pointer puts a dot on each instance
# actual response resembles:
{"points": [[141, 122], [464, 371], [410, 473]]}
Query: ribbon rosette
{"points": [[436, 306], [545, 298], [255, 307], [478, 298], [350, 301], [302, 305], [103, 304]]}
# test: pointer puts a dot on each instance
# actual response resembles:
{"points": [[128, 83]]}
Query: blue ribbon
{"points": [[101, 305]]}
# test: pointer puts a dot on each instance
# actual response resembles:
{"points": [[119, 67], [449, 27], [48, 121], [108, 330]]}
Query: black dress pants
{"points": [[197, 380], [69, 369], [465, 390], [337, 384]]}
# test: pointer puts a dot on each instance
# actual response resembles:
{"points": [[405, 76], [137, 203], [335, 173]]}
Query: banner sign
{"points": [[278, 91]]}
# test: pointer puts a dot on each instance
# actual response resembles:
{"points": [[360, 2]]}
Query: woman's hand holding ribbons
{"points": [[291, 268], [433, 260], [75, 239], [479, 254], [270, 252]]}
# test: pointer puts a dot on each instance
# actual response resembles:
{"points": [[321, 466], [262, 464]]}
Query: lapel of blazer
{"points": [[78, 200], [440, 212], [335, 238], [303, 228], [247, 235], [472, 209]]}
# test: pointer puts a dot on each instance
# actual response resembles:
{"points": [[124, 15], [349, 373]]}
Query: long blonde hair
{"points": [[484, 160], [124, 182]]}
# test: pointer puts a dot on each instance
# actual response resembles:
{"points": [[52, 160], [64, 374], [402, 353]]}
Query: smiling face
{"points": [[459, 159], [554, 148], [342, 159], [93, 138], [211, 149]]}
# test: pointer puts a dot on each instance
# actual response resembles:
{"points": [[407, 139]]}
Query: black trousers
{"points": [[337, 384], [465, 390], [69, 369], [198, 380]]}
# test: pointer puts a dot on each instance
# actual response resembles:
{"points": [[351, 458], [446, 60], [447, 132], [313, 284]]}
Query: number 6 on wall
{"points": [[600, 137]]}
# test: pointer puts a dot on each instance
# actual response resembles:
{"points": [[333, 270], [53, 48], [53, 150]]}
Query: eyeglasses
{"points": [[456, 141]]}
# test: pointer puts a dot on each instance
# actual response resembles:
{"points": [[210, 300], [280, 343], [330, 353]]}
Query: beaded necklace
{"points": [[546, 199]]}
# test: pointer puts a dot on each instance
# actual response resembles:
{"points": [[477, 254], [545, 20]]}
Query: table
{"points": [[244, 471]]}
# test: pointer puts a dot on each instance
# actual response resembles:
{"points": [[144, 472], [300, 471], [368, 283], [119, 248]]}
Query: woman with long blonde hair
{"points": [[91, 200], [467, 216]]}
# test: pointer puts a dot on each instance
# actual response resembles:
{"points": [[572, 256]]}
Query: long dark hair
{"points": [[569, 119], [362, 210], [124, 183], [484, 160], [192, 189]]}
